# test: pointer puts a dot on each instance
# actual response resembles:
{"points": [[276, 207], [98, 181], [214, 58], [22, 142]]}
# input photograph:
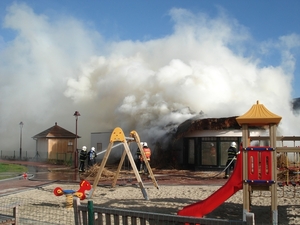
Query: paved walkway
{"points": [[36, 178], [40, 174]]}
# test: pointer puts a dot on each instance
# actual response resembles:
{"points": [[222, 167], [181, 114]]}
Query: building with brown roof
{"points": [[204, 142], [55, 144]]}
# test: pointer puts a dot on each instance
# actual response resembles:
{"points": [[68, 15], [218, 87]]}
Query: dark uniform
{"points": [[137, 159], [231, 158], [92, 157]]}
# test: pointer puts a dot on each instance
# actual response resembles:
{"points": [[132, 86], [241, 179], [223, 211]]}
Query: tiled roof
{"points": [[258, 115], [56, 132]]}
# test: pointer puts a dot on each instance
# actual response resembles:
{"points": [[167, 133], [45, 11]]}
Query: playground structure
{"points": [[256, 168], [118, 136], [288, 165], [83, 187]]}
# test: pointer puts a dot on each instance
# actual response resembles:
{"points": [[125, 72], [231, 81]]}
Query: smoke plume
{"points": [[56, 66]]}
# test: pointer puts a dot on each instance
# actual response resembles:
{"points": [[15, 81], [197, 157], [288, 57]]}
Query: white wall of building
{"points": [[225, 133]]}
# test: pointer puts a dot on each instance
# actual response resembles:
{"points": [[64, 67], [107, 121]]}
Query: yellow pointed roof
{"points": [[258, 115]]}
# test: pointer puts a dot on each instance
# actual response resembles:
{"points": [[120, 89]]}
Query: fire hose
{"points": [[234, 158]]}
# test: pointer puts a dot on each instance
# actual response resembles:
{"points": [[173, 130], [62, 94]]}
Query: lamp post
{"points": [[21, 126], [76, 114]]}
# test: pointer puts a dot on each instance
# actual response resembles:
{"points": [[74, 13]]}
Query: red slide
{"points": [[203, 207]]}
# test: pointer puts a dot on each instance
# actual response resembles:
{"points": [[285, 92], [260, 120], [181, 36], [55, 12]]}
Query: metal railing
{"points": [[88, 214]]}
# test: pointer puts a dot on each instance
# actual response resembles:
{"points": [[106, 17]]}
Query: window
{"points": [[191, 156], [224, 145], [209, 151], [70, 146], [99, 147]]}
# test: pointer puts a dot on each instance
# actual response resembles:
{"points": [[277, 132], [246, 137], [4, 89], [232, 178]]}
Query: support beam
{"points": [[246, 190]]}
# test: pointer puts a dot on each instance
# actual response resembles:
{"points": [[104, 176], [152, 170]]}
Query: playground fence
{"points": [[88, 214], [36, 212]]}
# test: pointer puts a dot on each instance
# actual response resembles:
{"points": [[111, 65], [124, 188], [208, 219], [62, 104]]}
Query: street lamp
{"points": [[21, 126], [76, 114]]}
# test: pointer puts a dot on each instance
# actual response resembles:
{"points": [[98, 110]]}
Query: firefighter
{"points": [[231, 159], [82, 157], [92, 157], [147, 151], [138, 157]]}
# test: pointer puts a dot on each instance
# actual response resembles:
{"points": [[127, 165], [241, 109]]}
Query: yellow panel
{"points": [[117, 135], [135, 135]]}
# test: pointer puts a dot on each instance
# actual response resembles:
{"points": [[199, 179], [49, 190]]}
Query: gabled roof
{"points": [[258, 115], [55, 132]]}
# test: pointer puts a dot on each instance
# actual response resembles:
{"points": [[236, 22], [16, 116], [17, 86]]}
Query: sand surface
{"points": [[171, 198]]}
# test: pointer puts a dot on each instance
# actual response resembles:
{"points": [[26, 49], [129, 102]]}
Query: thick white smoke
{"points": [[55, 66]]}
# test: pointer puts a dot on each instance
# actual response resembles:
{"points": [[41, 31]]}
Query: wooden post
{"points": [[119, 169], [98, 176], [273, 128], [91, 216], [15, 214], [77, 215], [250, 219], [136, 172], [246, 189], [137, 138]]}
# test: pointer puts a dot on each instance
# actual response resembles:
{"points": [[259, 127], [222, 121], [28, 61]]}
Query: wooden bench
{"points": [[9, 219]]}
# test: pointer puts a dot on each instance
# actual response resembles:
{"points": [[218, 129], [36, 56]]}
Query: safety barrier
{"points": [[9, 218], [289, 189], [87, 214]]}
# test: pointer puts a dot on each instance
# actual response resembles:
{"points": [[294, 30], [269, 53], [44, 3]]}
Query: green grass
{"points": [[5, 177], [5, 167]]}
